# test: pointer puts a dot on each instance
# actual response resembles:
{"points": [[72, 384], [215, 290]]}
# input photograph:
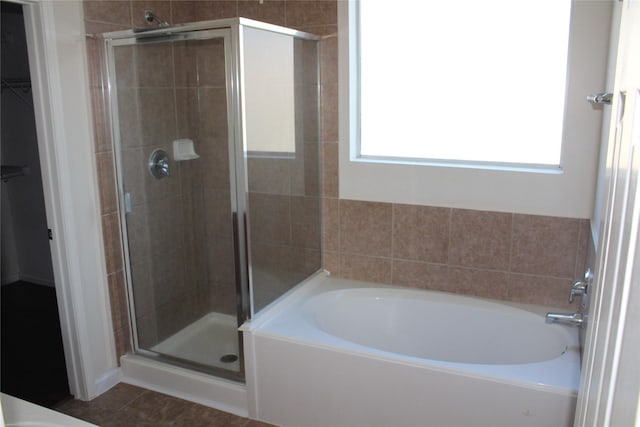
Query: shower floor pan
{"points": [[211, 340]]}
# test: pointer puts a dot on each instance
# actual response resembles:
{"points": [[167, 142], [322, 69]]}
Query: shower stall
{"points": [[216, 148]]}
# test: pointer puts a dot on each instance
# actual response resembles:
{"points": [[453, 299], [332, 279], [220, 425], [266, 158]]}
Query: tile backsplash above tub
{"points": [[514, 257]]}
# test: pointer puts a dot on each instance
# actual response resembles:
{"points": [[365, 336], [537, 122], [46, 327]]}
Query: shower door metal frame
{"points": [[196, 31]]}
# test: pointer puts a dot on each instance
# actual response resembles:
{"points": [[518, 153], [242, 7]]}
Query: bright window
{"points": [[439, 112], [467, 80]]}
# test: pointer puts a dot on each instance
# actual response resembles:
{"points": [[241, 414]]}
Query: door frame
{"points": [[610, 388], [59, 74]]}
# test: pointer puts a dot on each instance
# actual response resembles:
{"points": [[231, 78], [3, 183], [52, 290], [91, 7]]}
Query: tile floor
{"points": [[128, 405]]}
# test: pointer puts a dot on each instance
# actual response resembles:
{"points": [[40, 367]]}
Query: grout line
{"points": [[450, 236], [339, 232], [285, 14], [131, 20], [392, 243], [576, 272], [513, 226], [450, 240]]}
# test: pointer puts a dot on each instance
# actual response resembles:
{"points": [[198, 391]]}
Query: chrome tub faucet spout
{"points": [[572, 319]]}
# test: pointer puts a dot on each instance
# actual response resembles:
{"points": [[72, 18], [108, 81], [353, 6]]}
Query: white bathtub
{"points": [[343, 353], [20, 413]]}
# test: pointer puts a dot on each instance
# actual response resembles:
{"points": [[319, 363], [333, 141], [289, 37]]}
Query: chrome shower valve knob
{"points": [[578, 288], [159, 164]]}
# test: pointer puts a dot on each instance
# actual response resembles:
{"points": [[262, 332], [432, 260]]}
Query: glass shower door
{"points": [[171, 108]]}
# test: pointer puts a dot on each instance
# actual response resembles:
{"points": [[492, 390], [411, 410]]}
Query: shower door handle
{"points": [[242, 305], [128, 208]]}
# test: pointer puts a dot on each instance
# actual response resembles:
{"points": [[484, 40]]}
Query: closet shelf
{"points": [[9, 172], [24, 84]]}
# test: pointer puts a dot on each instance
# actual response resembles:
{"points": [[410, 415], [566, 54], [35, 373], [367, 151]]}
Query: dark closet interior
{"points": [[32, 361]]}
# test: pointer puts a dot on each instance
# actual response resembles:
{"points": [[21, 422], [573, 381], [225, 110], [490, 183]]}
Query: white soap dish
{"points": [[183, 150]]}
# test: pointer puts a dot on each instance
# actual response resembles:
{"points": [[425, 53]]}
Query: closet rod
{"points": [[16, 84], [9, 172]]}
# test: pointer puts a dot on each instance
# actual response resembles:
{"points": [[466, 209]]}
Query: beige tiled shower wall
{"points": [[500, 255]]}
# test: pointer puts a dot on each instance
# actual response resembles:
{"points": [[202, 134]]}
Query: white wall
{"points": [[597, 219]]}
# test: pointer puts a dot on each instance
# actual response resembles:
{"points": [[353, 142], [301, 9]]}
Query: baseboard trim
{"points": [[28, 278], [38, 280], [107, 381], [204, 389]]}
